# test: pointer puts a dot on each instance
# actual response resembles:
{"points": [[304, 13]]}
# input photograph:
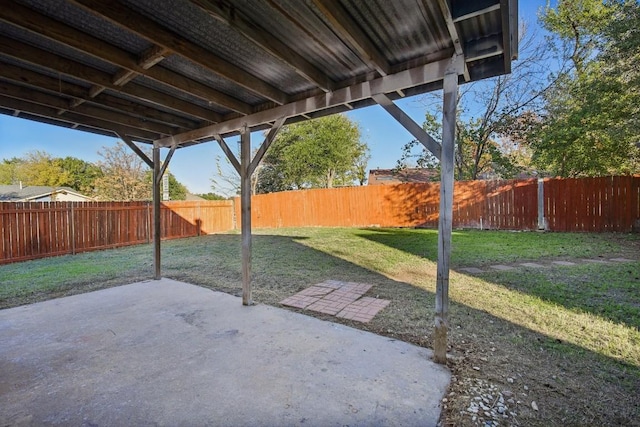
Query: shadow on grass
{"points": [[609, 290]]}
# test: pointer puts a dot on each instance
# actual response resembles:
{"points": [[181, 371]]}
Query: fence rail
{"points": [[39, 229]]}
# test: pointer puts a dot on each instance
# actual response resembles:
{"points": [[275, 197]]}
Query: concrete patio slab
{"points": [[169, 353]]}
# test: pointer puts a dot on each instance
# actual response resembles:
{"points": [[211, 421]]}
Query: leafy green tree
{"points": [[81, 174], [317, 153], [211, 196], [177, 190], [590, 123], [39, 168], [124, 175], [9, 171]]}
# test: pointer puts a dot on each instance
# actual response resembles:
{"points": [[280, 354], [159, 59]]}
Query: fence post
{"points": [[73, 230], [541, 221], [199, 215], [148, 222]]}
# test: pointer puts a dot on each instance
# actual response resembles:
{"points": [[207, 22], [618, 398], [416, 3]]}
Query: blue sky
{"points": [[196, 165]]}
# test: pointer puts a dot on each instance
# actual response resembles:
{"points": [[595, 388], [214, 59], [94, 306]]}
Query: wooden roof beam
{"points": [[484, 48], [347, 29], [453, 33], [478, 12], [152, 56], [41, 98], [46, 83], [423, 74], [56, 31], [228, 15], [150, 30], [42, 58], [472, 9], [74, 118]]}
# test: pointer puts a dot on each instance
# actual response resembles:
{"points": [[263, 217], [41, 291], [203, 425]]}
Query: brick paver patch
{"points": [[364, 309], [341, 299]]}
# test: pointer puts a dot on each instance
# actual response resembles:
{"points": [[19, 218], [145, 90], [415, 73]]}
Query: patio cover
{"points": [[173, 73]]}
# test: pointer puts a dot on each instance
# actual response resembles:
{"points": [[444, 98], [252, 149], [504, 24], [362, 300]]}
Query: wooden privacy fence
{"points": [[592, 204], [477, 204], [36, 230], [581, 204], [33, 230]]}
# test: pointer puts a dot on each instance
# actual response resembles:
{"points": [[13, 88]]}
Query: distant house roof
{"points": [[18, 193], [394, 176], [194, 197]]}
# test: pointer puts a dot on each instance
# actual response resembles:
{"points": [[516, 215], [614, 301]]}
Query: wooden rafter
{"points": [[350, 31], [130, 20], [484, 48], [132, 66], [478, 12], [26, 94], [429, 73], [74, 118], [42, 58], [53, 85], [266, 41], [453, 32]]}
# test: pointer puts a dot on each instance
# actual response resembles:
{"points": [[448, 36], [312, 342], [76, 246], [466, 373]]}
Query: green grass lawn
{"points": [[566, 337]]}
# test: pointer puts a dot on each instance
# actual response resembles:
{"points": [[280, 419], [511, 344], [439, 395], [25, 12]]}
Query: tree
{"points": [[124, 175], [486, 111], [81, 175], [9, 171], [589, 126], [226, 179], [39, 168], [36, 168], [316, 153], [211, 196], [177, 190]]}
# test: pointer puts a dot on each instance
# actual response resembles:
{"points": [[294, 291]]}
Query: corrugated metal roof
{"points": [[62, 11], [213, 61]]}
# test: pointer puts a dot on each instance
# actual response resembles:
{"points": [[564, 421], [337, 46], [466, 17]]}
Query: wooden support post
{"points": [[445, 221], [245, 209], [156, 213]]}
